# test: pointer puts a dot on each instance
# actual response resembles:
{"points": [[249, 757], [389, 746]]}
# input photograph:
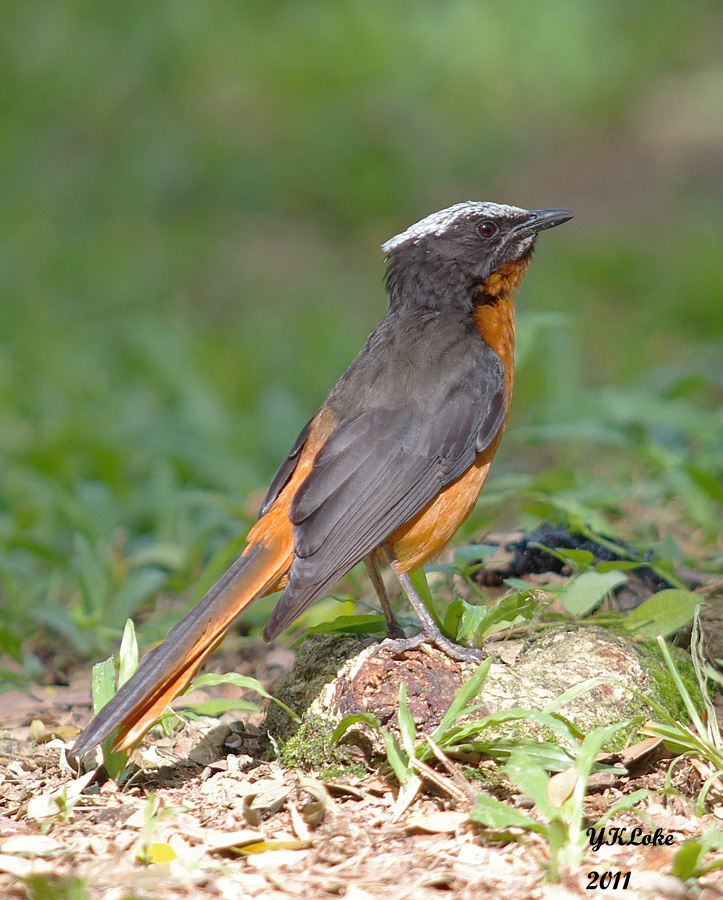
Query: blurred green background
{"points": [[193, 197]]}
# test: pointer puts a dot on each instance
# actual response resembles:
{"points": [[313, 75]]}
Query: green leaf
{"points": [[686, 863], [11, 643], [494, 814], [102, 683], [621, 565], [103, 688], [663, 613], [240, 681], [551, 757], [627, 801], [480, 621], [472, 553], [407, 728], [419, 580], [708, 482], [508, 609], [473, 615], [452, 617], [217, 706], [470, 731], [576, 559], [128, 654], [464, 696], [138, 587], [370, 624], [577, 690], [398, 760], [593, 744], [528, 775], [682, 689], [348, 721], [584, 592]]}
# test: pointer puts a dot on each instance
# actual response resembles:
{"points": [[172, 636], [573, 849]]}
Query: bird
{"points": [[391, 464]]}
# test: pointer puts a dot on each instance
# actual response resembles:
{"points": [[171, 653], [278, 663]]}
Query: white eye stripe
{"points": [[437, 223]]}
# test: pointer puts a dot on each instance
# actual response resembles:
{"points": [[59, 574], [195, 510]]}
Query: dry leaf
{"points": [[45, 806], [301, 829], [342, 790], [561, 786], [225, 840], [313, 811], [16, 865], [38, 732], [265, 802], [31, 845], [437, 822], [276, 854]]}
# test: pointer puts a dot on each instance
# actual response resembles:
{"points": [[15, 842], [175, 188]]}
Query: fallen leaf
{"points": [[313, 811], [161, 853], [38, 732], [272, 847], [225, 840], [301, 829], [561, 786], [282, 855], [15, 865], [31, 845], [341, 789], [265, 802], [437, 822], [45, 806]]}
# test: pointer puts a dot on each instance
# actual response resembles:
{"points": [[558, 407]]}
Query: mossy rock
{"points": [[335, 677]]}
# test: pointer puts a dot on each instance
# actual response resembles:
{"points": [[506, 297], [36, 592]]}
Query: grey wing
{"points": [[285, 470], [378, 470]]}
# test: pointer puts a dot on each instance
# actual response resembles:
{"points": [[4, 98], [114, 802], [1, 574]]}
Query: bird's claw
{"points": [[399, 645]]}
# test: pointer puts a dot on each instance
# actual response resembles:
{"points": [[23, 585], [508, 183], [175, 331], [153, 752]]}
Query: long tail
{"points": [[168, 669]]}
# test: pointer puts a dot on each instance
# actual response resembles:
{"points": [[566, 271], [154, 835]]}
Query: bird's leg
{"points": [[430, 631], [394, 629]]}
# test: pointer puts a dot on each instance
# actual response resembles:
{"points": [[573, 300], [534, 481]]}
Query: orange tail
{"points": [[168, 669]]}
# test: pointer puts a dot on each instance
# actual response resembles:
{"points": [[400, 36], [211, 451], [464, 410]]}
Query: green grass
{"points": [[193, 200]]}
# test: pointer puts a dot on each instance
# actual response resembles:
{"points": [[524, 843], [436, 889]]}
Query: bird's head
{"points": [[465, 249]]}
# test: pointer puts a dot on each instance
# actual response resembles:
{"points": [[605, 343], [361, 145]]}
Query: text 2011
{"points": [[604, 880]]}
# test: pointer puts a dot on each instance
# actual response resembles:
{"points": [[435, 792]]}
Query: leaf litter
{"points": [[202, 822]]}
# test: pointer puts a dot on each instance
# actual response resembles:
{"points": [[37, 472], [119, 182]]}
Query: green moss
{"points": [[662, 686], [311, 748]]}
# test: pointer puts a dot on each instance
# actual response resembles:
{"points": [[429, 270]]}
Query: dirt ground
{"points": [[209, 819]]}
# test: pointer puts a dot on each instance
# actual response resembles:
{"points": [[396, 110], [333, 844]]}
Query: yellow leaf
{"points": [[161, 853], [265, 846]]}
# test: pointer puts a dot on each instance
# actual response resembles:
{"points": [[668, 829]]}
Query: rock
{"points": [[335, 678]]}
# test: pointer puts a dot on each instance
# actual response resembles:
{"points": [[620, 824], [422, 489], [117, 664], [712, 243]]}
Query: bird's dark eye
{"points": [[487, 229]]}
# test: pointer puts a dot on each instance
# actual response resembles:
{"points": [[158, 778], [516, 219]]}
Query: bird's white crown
{"points": [[437, 223]]}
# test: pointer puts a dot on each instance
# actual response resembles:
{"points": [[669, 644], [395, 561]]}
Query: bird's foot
{"points": [[455, 651]]}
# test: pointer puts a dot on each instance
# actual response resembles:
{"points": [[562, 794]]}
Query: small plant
{"points": [[700, 738], [105, 684], [688, 863], [153, 851], [50, 887], [558, 798]]}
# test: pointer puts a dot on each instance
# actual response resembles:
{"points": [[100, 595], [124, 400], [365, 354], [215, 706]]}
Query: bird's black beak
{"points": [[542, 219]]}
